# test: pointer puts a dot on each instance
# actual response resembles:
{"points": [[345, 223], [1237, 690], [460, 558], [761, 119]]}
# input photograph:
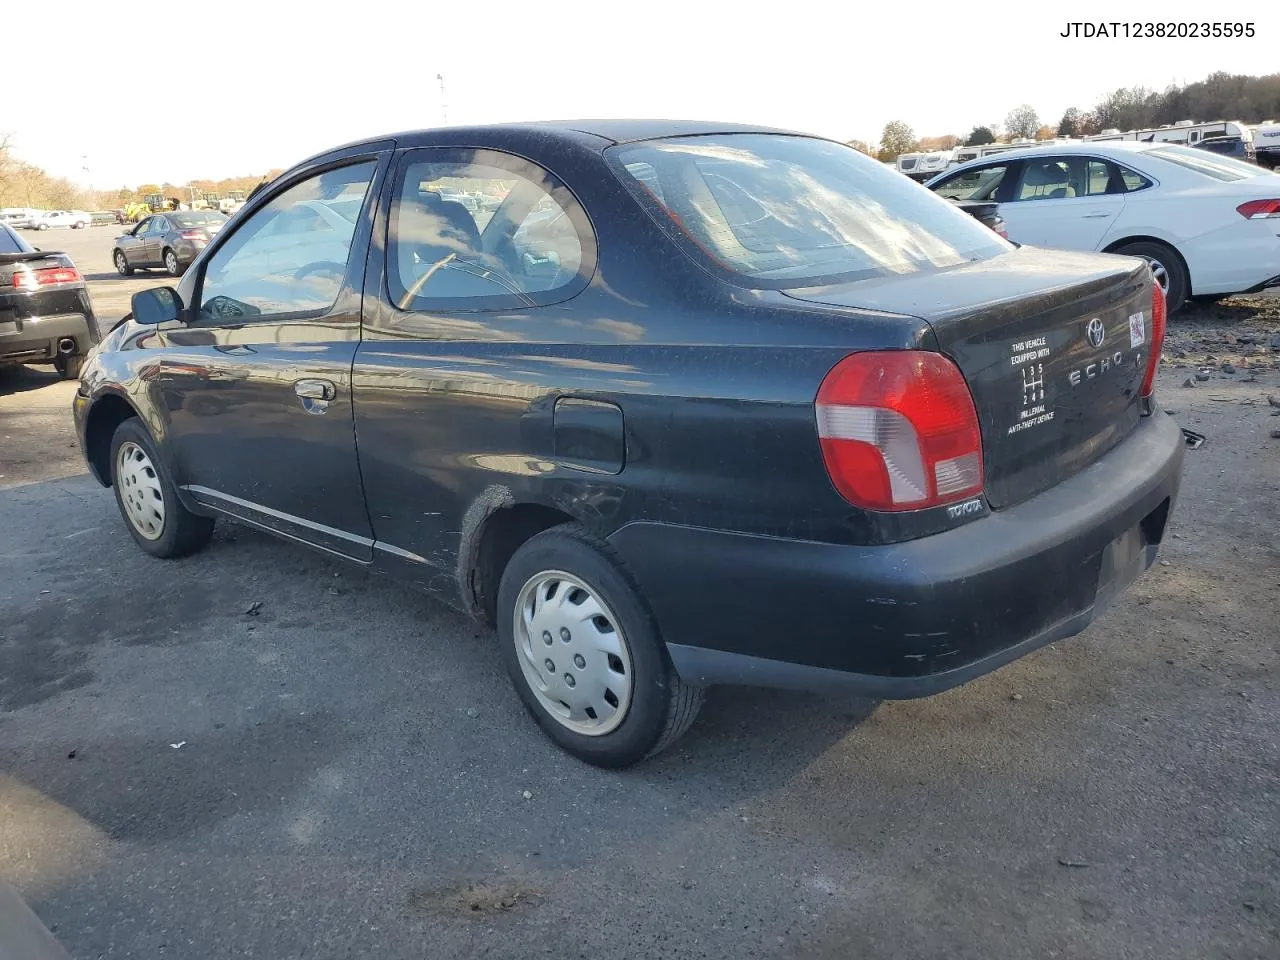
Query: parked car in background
{"points": [[787, 419], [75, 219], [169, 240], [19, 217], [988, 214], [1229, 147], [1206, 223], [45, 313]]}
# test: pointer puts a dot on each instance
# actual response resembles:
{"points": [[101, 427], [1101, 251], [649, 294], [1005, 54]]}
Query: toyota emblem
{"points": [[1096, 332]]}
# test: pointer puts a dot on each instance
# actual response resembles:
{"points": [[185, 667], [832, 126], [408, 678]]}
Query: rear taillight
{"points": [[193, 235], [1157, 339], [44, 277], [1259, 209], [899, 430]]}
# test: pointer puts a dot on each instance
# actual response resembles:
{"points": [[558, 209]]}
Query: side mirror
{"points": [[158, 305]]}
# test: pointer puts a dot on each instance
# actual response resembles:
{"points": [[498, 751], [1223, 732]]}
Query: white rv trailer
{"points": [[1266, 141], [1184, 131], [922, 166]]}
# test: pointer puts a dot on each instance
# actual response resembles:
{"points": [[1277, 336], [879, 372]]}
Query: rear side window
{"points": [[484, 230], [1133, 180], [771, 210]]}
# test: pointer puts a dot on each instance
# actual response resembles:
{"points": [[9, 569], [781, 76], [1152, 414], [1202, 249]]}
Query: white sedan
{"points": [[75, 219], [1209, 225]]}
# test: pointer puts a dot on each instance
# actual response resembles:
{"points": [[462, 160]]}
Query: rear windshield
{"points": [[780, 211], [1210, 164], [10, 242], [196, 219]]}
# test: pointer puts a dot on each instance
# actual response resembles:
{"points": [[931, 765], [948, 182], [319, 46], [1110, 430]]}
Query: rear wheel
{"points": [[584, 653], [148, 501], [171, 264], [1166, 267], [122, 265]]}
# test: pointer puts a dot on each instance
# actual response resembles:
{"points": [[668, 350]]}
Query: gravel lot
{"points": [[344, 774]]}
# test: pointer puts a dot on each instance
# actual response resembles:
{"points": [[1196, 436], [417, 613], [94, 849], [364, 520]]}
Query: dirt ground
{"points": [[343, 773]]}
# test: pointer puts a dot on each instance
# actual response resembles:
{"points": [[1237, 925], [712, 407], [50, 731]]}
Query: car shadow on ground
{"points": [[346, 636], [22, 379]]}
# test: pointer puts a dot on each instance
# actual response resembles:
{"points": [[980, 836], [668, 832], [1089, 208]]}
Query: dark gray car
{"points": [[169, 240]]}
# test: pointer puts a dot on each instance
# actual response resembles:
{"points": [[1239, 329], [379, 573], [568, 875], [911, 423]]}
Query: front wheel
{"points": [[122, 265], [171, 265], [1166, 267], [148, 500], [584, 653]]}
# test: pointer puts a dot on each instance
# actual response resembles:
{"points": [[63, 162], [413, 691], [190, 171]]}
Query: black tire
{"points": [[662, 706], [171, 265], [1168, 258], [68, 367], [122, 265], [183, 532]]}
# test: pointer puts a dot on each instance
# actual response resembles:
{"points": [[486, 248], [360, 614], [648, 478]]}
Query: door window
{"points": [[977, 184], [482, 230], [289, 259], [1045, 179]]}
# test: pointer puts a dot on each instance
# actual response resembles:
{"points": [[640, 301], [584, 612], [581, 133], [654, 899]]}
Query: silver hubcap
{"points": [[573, 653], [140, 490], [171, 262], [1160, 274], [120, 264]]}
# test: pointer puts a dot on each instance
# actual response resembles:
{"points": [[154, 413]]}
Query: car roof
{"points": [[591, 133]]}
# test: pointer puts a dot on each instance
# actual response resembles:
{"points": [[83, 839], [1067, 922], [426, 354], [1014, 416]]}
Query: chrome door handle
{"points": [[315, 389]]}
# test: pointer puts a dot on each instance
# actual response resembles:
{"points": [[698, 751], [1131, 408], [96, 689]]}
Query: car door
{"points": [[132, 243], [1068, 202], [153, 240], [256, 382], [445, 377]]}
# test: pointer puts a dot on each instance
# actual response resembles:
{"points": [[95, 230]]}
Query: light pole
{"points": [[88, 177], [444, 107]]}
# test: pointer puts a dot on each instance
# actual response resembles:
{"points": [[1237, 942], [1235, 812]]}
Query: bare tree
{"points": [[1022, 121]]}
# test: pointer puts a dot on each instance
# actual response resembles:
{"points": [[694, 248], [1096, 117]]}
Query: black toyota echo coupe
{"points": [[670, 404]]}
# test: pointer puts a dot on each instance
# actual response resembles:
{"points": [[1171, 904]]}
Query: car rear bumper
{"points": [[1244, 258], [909, 619], [35, 339]]}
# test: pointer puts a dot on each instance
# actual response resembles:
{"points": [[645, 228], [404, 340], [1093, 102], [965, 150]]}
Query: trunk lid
{"points": [[1053, 346]]}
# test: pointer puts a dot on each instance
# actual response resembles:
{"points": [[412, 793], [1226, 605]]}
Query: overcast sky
{"points": [[234, 88]]}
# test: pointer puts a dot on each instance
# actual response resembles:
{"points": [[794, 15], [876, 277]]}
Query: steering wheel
{"points": [[322, 266], [485, 271]]}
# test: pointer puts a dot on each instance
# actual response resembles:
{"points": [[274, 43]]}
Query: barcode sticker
{"points": [[1137, 328]]}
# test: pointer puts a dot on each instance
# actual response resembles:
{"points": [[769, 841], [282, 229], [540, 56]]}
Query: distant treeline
{"points": [[1220, 96]]}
